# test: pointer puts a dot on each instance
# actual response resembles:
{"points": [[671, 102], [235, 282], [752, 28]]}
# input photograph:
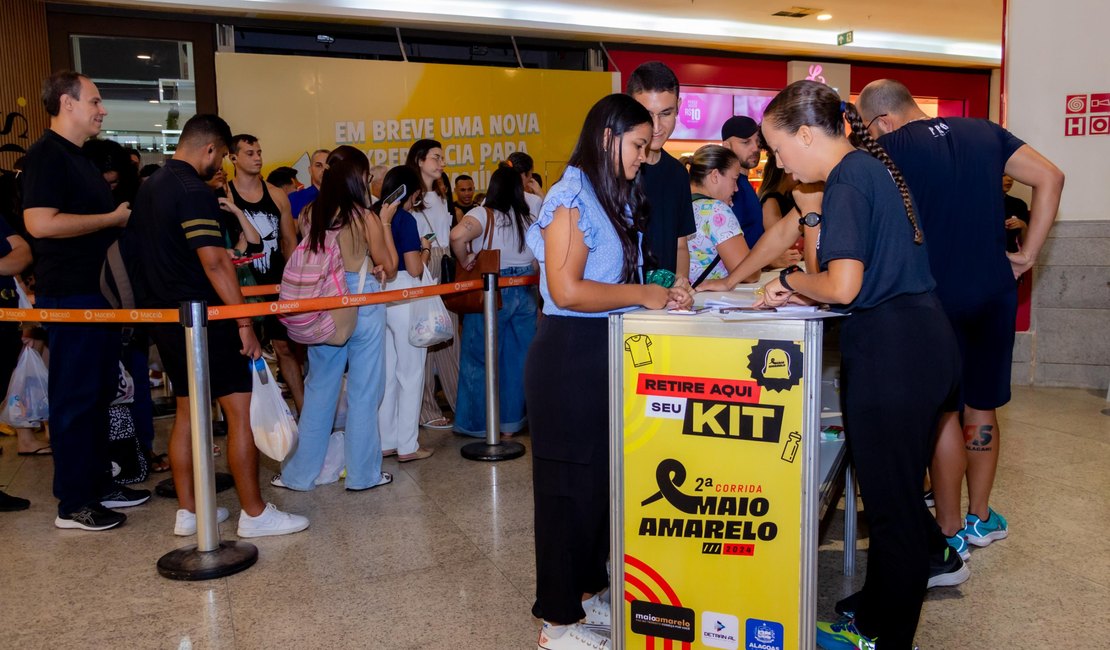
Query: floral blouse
{"points": [[715, 223]]}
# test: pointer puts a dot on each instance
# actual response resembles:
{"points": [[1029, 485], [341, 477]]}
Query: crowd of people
{"points": [[876, 200]]}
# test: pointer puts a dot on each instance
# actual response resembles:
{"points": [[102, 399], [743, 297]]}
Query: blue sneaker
{"points": [[982, 533], [843, 635], [959, 543]]}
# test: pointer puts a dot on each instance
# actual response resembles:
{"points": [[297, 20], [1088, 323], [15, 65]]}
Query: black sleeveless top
{"points": [[265, 216]]}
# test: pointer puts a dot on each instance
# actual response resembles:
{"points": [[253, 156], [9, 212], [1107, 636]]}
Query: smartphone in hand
{"points": [[396, 196]]}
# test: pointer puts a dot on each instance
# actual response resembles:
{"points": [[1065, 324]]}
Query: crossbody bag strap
{"points": [[706, 272], [489, 228]]}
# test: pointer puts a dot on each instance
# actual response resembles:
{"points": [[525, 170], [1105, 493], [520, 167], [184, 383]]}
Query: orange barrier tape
{"points": [[225, 312]]}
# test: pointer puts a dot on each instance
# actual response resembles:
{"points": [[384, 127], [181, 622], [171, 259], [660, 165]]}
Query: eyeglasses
{"points": [[868, 127]]}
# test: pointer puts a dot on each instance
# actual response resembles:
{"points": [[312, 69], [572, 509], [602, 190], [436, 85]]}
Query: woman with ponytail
{"points": [[899, 361], [587, 240]]}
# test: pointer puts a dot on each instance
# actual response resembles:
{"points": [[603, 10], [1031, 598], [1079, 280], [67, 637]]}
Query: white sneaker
{"points": [[270, 521], [570, 637], [599, 616], [186, 524]]}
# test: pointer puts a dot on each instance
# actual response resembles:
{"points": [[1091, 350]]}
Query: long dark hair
{"points": [[417, 153], [396, 177], [775, 178], [620, 198], [814, 104], [521, 162], [343, 196], [506, 194]]}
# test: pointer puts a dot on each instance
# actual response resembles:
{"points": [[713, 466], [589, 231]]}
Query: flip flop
{"points": [[158, 462], [41, 451], [440, 423], [386, 479]]}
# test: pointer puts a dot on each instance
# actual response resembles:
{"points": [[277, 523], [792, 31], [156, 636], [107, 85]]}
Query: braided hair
{"points": [[814, 104]]}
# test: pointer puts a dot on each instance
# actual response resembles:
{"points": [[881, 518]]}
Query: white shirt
{"points": [[505, 238], [434, 218]]}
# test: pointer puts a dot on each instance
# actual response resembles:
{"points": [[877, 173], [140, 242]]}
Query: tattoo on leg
{"points": [[978, 438]]}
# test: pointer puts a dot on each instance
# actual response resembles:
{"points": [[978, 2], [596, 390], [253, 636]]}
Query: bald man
{"points": [[952, 166]]}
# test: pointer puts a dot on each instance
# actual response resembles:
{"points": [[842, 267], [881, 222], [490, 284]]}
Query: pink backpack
{"points": [[319, 274]]}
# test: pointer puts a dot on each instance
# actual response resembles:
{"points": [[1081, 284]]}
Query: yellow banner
{"points": [[712, 492], [295, 105]]}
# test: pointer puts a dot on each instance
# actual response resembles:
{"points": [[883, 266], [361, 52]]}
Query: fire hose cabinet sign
{"points": [[711, 464]]}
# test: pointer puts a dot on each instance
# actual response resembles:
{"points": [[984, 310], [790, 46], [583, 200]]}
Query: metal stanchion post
{"points": [[209, 558], [493, 448], [849, 521]]}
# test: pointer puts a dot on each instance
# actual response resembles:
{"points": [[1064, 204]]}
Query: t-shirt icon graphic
{"points": [[638, 346]]}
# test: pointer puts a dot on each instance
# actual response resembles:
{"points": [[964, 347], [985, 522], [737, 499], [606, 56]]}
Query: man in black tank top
{"points": [[267, 208]]}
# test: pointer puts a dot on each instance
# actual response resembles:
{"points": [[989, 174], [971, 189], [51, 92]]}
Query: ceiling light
{"points": [[824, 17], [144, 57], [153, 101]]}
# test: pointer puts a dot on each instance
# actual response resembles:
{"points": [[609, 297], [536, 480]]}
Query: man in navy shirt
{"points": [[302, 197], [740, 134], [952, 166], [72, 219]]}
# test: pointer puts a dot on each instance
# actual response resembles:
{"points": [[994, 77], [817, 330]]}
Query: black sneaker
{"points": [[124, 497], [946, 569], [8, 503], [91, 517], [848, 606]]}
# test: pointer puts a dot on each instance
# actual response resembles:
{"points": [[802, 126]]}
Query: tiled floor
{"points": [[443, 558]]}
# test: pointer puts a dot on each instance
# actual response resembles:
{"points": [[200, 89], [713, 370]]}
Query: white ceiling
{"points": [[946, 32]]}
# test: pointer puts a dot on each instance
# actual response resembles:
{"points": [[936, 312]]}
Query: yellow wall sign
{"points": [[295, 105], [712, 491]]}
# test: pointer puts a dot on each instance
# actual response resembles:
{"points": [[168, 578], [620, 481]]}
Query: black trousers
{"points": [[900, 369], [566, 387], [84, 374]]}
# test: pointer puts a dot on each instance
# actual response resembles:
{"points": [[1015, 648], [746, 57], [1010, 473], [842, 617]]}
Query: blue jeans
{"points": [[84, 374], [516, 327], [362, 357]]}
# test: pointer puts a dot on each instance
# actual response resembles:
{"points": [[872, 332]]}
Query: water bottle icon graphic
{"points": [[790, 449]]}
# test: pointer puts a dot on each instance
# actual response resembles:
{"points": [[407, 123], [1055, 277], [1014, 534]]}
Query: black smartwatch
{"points": [[810, 219], [790, 269]]}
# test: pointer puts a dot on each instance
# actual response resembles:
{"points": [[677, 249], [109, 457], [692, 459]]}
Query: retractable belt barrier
{"points": [[224, 312]]}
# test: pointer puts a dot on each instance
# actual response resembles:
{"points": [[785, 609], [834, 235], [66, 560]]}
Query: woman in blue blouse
{"points": [[587, 241]]}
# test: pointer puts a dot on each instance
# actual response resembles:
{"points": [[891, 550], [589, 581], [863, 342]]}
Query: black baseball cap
{"points": [[740, 126]]}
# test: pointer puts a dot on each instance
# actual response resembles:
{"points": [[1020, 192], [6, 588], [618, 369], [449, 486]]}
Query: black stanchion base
{"points": [[165, 488], [500, 451], [190, 564]]}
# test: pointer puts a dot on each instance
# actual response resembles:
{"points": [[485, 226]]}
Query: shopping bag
{"points": [[275, 430], [129, 464], [334, 461], [431, 322], [487, 261], [26, 404]]}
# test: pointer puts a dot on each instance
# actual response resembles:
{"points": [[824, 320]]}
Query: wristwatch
{"points": [[810, 219], [790, 269]]}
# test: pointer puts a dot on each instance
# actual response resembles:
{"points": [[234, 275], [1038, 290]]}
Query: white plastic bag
{"points": [[340, 422], [431, 322], [125, 391], [26, 404], [275, 430], [334, 460]]}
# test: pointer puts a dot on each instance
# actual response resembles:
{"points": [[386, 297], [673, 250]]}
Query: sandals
{"points": [[420, 454], [158, 462], [386, 453], [41, 451], [386, 479], [441, 423]]}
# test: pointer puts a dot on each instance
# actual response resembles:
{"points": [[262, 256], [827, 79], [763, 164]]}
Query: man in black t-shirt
{"points": [[72, 219], [268, 210], [952, 166], [175, 234], [664, 180]]}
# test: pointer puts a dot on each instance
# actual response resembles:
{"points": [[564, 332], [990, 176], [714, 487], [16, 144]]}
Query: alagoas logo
{"points": [[711, 517]]}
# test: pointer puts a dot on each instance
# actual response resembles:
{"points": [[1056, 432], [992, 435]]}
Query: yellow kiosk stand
{"points": [[715, 480]]}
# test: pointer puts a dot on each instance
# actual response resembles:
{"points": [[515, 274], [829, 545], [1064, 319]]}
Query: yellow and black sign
{"points": [[712, 485]]}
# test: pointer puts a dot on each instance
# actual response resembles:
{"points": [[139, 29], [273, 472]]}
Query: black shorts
{"points": [[228, 371], [273, 329], [985, 335]]}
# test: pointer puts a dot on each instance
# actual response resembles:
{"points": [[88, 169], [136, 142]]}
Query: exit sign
{"points": [[844, 39]]}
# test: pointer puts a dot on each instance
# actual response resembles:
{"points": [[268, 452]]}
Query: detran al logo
{"points": [[719, 630]]}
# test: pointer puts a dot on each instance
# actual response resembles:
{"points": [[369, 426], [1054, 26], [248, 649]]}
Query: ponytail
{"points": [[860, 136]]}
